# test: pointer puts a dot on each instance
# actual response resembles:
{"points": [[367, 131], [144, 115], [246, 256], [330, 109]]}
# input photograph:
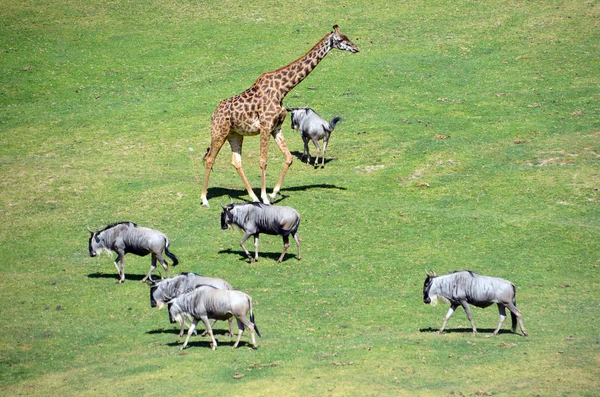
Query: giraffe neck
{"points": [[291, 75]]}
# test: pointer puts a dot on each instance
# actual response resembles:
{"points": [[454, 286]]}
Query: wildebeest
{"points": [[464, 287], [313, 127], [256, 218], [206, 302], [165, 290], [127, 237]]}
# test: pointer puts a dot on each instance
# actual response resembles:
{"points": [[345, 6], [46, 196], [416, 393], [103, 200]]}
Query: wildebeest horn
{"points": [[90, 230]]}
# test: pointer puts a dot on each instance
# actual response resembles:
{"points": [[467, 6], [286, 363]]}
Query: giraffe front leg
{"points": [[280, 140]]}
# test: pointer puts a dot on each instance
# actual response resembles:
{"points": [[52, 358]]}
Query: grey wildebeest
{"points": [[465, 287], [256, 218], [207, 302], [313, 127], [165, 290], [127, 237]]}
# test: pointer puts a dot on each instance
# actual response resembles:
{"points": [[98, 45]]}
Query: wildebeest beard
{"points": [[435, 299]]}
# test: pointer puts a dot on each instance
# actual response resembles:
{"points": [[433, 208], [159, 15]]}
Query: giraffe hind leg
{"points": [[236, 140], [280, 140]]}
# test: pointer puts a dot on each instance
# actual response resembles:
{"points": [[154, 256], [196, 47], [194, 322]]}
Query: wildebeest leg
{"points": [[213, 324], [182, 327], [163, 262], [465, 306], [286, 245], [190, 331], [242, 323], [316, 142], [502, 313], [121, 260], [256, 247], [209, 329], [517, 313], [246, 237], [230, 326], [152, 267], [453, 307], [206, 331], [325, 141], [116, 262], [306, 151], [297, 239]]}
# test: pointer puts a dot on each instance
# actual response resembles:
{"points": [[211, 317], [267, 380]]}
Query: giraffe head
{"points": [[341, 41]]}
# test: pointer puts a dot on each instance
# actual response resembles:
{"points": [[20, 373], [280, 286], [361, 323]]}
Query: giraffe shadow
{"points": [[128, 276], [241, 195]]}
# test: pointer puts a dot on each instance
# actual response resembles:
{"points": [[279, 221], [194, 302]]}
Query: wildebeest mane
{"points": [[469, 271], [116, 224], [203, 285]]}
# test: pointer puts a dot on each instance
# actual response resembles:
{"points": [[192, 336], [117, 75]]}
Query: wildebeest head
{"points": [[427, 286], [152, 299], [298, 114], [94, 243], [226, 216]]}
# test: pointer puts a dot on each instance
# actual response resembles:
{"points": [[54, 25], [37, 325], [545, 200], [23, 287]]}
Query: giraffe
{"points": [[259, 111]]}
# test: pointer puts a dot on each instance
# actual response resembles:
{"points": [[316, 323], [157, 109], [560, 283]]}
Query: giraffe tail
{"points": [[206, 154]]}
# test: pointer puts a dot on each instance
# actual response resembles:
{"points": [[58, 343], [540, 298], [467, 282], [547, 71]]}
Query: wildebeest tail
{"points": [[252, 318], [513, 317], [170, 254], [333, 122]]}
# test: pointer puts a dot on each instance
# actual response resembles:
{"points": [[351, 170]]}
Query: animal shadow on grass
{"points": [[236, 194], [128, 277], [175, 331], [465, 330], [261, 255], [299, 156], [205, 344]]}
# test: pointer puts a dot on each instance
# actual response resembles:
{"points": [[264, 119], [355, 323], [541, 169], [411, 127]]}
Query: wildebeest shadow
{"points": [[128, 277], [206, 343], [261, 255], [299, 156], [466, 330], [175, 331]]}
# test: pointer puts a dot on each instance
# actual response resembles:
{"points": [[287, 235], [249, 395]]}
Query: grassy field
{"points": [[470, 140]]}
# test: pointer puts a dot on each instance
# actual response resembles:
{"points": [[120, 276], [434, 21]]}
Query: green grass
{"points": [[101, 103]]}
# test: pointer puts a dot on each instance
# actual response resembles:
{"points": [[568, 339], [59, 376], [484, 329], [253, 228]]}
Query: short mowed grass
{"points": [[470, 140]]}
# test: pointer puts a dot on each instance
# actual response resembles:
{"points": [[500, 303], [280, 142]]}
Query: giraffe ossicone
{"points": [[259, 111]]}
